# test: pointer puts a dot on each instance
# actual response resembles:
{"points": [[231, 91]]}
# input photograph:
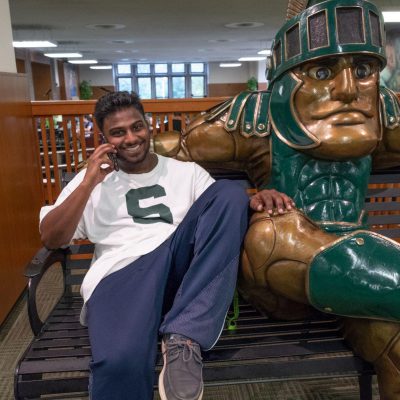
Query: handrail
{"points": [[63, 142], [55, 107]]}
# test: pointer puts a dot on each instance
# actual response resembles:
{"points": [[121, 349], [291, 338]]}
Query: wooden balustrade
{"points": [[64, 144]]}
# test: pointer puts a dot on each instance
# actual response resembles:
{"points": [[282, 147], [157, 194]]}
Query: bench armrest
{"points": [[34, 271]]}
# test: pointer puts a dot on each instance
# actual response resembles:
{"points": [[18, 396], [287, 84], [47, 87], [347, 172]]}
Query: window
{"points": [[163, 80]]}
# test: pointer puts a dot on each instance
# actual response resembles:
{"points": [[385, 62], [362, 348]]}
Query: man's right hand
{"points": [[99, 165]]}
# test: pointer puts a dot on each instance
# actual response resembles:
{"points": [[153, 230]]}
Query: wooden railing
{"points": [[64, 144]]}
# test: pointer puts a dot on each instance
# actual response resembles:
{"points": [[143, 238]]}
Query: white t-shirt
{"points": [[129, 215]]}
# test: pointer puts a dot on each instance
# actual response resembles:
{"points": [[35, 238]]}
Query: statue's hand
{"points": [[270, 199]]}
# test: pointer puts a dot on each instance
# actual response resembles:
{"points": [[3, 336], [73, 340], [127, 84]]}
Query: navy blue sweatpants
{"points": [[184, 286]]}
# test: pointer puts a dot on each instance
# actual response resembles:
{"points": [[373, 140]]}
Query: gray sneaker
{"points": [[181, 377]]}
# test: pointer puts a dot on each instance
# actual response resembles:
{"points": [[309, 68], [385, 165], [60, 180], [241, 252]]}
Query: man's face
{"points": [[338, 103], [129, 133]]}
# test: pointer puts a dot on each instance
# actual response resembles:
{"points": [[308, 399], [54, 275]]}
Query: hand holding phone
{"points": [[112, 156]]}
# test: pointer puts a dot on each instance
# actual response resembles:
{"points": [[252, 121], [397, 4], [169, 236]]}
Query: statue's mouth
{"points": [[347, 118], [358, 113]]}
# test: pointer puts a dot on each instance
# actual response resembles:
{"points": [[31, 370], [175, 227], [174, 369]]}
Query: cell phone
{"points": [[111, 156]]}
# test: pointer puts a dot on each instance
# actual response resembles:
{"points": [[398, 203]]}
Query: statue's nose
{"points": [[345, 88]]}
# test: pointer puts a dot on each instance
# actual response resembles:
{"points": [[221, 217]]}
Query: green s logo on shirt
{"points": [[147, 215]]}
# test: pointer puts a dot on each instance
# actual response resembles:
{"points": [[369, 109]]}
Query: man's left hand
{"points": [[268, 200]]}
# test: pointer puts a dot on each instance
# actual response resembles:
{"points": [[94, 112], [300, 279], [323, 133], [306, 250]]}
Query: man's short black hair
{"points": [[116, 101]]}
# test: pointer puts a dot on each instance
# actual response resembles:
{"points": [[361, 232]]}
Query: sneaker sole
{"points": [[161, 389]]}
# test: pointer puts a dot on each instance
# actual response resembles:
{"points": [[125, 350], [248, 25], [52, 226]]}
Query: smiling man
{"points": [[167, 242]]}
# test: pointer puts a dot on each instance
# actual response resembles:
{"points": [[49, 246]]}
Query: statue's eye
{"points": [[363, 71], [320, 73]]}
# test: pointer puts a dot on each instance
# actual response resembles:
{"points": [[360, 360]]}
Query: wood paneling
{"points": [[20, 66], [20, 188], [41, 76], [225, 89], [99, 91]]}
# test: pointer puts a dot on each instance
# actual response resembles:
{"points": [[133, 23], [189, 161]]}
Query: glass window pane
{"points": [[178, 87], [162, 87], [124, 68], [125, 84], [197, 67], [144, 87], [178, 68], [160, 68], [143, 68], [197, 86]]}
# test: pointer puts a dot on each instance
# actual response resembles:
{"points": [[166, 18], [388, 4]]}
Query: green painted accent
{"points": [[281, 114], [314, 2], [236, 110], [232, 317], [390, 108], [326, 190], [358, 276], [147, 215], [333, 48], [248, 114], [263, 116], [217, 110]]}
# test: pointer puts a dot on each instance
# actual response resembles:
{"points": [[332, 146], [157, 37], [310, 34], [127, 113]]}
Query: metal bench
{"points": [[258, 350]]}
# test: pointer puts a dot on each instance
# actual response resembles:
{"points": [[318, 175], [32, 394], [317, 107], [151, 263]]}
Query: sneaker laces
{"points": [[188, 349]]}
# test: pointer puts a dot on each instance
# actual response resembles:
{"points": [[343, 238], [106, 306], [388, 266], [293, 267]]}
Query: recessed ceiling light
{"points": [[252, 58], [244, 25], [101, 67], [391, 16], [62, 55], [267, 52], [230, 65], [82, 61], [220, 40], [105, 26], [120, 41], [34, 43]]}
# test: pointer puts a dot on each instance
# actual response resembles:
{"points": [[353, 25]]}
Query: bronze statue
{"points": [[314, 135]]}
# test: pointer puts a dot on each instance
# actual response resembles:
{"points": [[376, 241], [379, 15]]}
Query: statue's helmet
{"points": [[315, 30]]}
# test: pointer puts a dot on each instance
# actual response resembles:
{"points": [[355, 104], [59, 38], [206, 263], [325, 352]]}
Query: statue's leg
{"points": [[355, 275], [379, 343], [276, 254]]}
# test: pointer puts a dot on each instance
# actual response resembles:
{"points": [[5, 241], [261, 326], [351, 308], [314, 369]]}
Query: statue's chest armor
{"points": [[332, 193]]}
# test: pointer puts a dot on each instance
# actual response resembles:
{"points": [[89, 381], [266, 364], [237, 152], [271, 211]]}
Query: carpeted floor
{"points": [[15, 336]]}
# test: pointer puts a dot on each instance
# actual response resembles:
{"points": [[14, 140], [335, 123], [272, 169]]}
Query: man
{"points": [[167, 242]]}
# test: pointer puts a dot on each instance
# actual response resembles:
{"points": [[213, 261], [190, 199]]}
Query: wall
{"points": [[221, 81], [7, 57], [20, 188], [102, 81]]}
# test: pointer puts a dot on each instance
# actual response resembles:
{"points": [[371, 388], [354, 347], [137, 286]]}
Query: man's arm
{"points": [[58, 226]]}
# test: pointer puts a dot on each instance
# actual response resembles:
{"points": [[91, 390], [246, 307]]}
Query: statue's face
{"points": [[338, 103]]}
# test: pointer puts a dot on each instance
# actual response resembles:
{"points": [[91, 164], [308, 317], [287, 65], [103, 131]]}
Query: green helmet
{"points": [[328, 28]]}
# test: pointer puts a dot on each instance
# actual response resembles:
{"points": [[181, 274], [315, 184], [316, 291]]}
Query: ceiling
{"points": [[154, 30]]}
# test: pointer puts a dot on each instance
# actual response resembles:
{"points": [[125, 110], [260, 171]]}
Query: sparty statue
{"points": [[314, 135]]}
